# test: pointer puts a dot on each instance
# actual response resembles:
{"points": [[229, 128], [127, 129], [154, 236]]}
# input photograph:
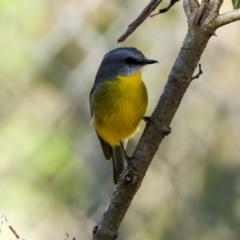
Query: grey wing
{"points": [[107, 149], [90, 101]]}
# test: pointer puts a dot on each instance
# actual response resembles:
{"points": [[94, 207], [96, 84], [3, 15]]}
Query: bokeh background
{"points": [[53, 176]]}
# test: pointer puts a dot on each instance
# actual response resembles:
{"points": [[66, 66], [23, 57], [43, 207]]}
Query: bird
{"points": [[118, 102]]}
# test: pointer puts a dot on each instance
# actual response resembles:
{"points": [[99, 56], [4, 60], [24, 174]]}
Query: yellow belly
{"points": [[119, 107]]}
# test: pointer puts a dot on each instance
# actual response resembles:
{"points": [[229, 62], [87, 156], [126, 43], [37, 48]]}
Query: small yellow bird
{"points": [[118, 102]]}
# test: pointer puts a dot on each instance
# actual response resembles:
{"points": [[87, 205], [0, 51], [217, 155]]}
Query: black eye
{"points": [[130, 60]]}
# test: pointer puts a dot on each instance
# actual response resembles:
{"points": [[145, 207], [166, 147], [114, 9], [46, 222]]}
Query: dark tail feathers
{"points": [[118, 159]]}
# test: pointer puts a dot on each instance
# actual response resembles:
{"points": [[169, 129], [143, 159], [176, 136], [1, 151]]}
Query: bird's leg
{"points": [[128, 158], [125, 154], [148, 119], [132, 174]]}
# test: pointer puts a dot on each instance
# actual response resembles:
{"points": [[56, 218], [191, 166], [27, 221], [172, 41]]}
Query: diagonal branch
{"points": [[140, 19], [217, 5], [227, 18], [163, 10], [130, 180], [190, 6], [178, 81]]}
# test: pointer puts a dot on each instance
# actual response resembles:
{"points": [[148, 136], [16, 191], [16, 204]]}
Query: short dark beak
{"points": [[149, 61]]}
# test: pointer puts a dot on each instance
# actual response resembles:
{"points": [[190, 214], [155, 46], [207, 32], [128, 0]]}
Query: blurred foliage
{"points": [[236, 4], [54, 178]]}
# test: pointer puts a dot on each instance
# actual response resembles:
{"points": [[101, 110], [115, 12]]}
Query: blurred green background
{"points": [[54, 179]]}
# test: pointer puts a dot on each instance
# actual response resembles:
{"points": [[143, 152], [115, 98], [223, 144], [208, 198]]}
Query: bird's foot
{"points": [[132, 176], [148, 119]]}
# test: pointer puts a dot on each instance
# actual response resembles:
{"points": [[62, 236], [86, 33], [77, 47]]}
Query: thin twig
{"points": [[200, 72], [172, 2], [4, 220], [67, 236], [140, 19]]}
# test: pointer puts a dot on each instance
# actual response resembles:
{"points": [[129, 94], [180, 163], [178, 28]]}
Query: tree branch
{"points": [[200, 12], [140, 19], [178, 81], [227, 18], [200, 72], [130, 180], [216, 5], [163, 10], [190, 6]]}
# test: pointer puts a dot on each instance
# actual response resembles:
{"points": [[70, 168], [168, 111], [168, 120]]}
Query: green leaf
{"points": [[236, 4]]}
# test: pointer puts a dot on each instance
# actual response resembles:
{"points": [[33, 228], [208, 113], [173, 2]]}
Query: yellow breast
{"points": [[119, 107]]}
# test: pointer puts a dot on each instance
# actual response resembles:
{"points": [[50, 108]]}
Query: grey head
{"points": [[121, 61]]}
